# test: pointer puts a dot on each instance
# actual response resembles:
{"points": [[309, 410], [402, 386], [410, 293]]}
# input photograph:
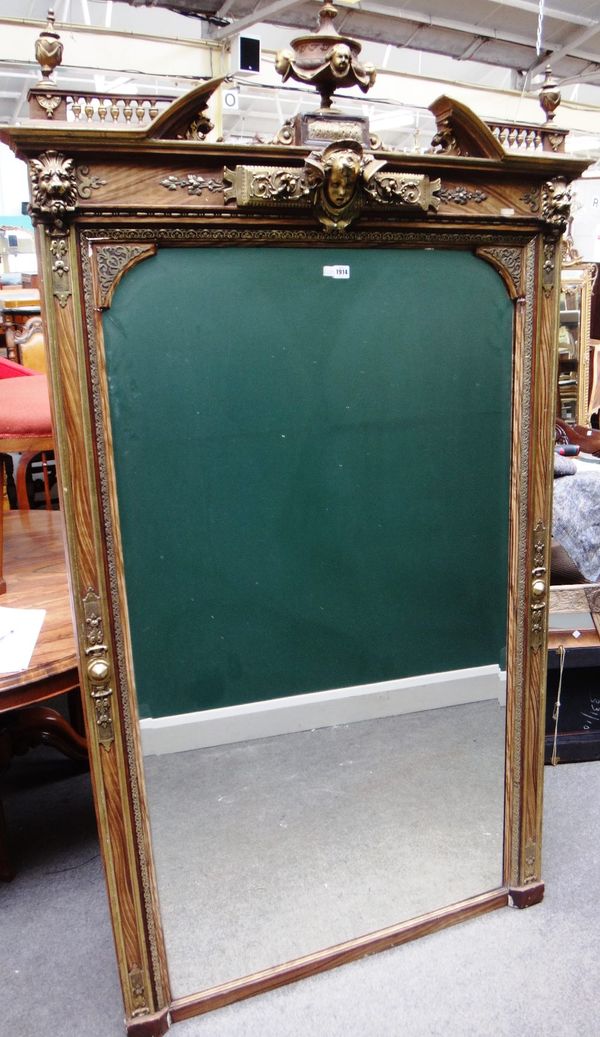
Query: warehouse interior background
{"points": [[491, 56]]}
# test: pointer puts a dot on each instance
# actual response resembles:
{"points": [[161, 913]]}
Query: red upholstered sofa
{"points": [[8, 369]]}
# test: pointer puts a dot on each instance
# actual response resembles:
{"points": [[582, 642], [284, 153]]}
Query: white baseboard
{"points": [[199, 730]]}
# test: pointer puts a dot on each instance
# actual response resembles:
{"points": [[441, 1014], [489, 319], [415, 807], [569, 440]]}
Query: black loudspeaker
{"points": [[249, 54]]}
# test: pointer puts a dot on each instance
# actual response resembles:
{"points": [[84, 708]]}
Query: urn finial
{"points": [[549, 95], [325, 59], [48, 49]]}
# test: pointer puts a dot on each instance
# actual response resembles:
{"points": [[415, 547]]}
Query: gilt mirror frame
{"points": [[105, 199]]}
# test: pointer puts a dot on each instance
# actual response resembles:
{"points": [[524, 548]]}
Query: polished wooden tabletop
{"points": [[11, 297], [35, 572]]}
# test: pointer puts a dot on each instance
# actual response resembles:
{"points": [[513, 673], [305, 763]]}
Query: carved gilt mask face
{"points": [[341, 181], [341, 59]]}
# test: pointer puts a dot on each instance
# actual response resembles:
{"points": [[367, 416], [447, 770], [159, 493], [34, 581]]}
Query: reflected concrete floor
{"points": [[274, 848]]}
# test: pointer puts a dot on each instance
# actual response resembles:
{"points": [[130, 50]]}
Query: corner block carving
{"points": [[508, 261], [112, 261]]}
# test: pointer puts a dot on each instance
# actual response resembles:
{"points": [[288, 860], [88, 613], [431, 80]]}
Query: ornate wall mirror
{"points": [[304, 398]]}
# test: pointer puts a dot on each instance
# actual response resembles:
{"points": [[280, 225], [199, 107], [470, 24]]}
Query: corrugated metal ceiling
{"points": [[493, 33]]}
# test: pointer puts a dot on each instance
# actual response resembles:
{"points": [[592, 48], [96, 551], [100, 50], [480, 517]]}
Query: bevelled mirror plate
{"points": [[329, 561]]}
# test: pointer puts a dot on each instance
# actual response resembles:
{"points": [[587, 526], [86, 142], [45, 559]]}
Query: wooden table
{"points": [[36, 578]]}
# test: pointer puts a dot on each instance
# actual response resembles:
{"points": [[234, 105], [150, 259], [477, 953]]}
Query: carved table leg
{"points": [[23, 729], [41, 725]]}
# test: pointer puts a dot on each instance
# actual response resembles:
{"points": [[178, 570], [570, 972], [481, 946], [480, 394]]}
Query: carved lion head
{"points": [[556, 208], [53, 183]]}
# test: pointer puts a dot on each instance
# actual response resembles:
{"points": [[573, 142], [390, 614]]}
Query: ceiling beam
{"points": [[472, 48], [472, 28], [532, 6], [261, 14], [269, 12], [566, 49], [588, 27], [224, 8]]}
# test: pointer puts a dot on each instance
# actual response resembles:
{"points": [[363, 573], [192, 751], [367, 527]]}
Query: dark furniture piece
{"points": [[578, 736], [35, 563]]}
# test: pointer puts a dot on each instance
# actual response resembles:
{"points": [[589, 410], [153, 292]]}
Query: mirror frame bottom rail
{"points": [[321, 961]]}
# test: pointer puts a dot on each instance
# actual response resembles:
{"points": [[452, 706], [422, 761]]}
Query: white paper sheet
{"points": [[19, 631]]}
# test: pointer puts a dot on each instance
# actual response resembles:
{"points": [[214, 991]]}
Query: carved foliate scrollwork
{"points": [[111, 263], [530, 861], [407, 189], [94, 625], [261, 185], [61, 272], [539, 545], [537, 626], [87, 182], [338, 181], [556, 203], [549, 265], [53, 189], [538, 587], [98, 669], [49, 103], [532, 199], [285, 135], [461, 195], [508, 261], [193, 183], [137, 989], [325, 129], [556, 141]]}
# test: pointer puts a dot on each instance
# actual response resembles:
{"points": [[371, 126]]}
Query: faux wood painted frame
{"points": [[104, 199]]}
